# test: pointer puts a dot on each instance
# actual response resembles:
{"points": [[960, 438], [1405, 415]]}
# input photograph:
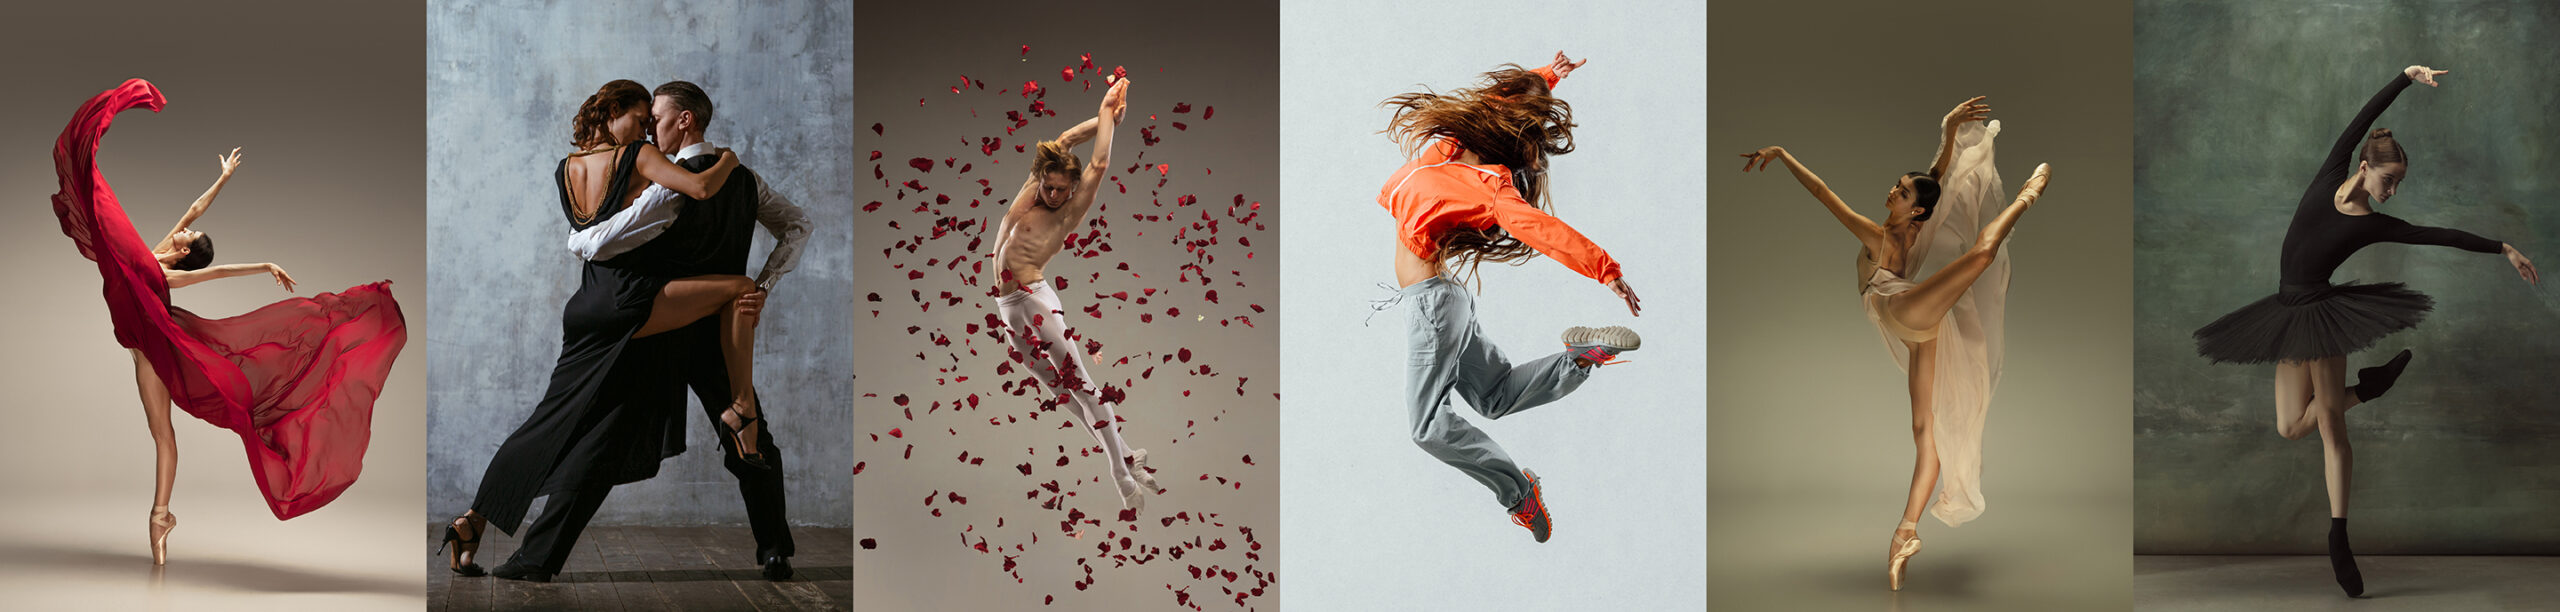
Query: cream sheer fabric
{"points": [[1969, 338]]}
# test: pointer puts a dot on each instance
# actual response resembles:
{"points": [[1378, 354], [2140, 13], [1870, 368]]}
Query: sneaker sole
{"points": [[1613, 336]]}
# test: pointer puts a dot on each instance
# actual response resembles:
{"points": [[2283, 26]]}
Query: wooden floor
{"points": [[657, 568]]}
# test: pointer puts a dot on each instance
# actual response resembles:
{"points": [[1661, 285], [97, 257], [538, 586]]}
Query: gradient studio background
{"points": [[1371, 521], [1809, 439], [329, 187], [503, 80], [2239, 103], [940, 479]]}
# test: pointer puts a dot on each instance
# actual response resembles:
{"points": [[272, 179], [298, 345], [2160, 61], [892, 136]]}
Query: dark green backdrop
{"points": [[2235, 104]]}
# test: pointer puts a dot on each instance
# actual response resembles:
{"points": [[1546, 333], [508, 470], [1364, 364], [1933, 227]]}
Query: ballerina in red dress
{"points": [[296, 379]]}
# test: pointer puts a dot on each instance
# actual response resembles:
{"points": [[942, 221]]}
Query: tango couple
{"points": [[663, 223]]}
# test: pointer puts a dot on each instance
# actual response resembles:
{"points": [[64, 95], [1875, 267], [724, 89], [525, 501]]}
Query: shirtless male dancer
{"points": [[1052, 204]]}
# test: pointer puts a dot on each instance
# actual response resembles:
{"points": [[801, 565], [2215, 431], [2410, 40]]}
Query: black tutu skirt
{"points": [[2306, 322]]}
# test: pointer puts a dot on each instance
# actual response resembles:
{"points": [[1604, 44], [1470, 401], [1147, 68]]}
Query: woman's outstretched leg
{"points": [[1923, 306], [691, 298], [164, 440]]}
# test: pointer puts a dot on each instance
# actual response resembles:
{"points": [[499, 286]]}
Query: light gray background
{"points": [[2238, 103], [329, 187], [1370, 521], [1195, 427], [1810, 433], [503, 79]]}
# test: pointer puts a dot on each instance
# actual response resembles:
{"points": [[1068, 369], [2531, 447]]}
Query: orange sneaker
{"points": [[1532, 510]]}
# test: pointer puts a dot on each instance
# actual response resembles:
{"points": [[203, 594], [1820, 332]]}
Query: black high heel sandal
{"points": [[738, 441], [460, 545]]}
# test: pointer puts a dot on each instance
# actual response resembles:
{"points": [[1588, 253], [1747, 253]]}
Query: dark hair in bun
{"points": [[2381, 148]]}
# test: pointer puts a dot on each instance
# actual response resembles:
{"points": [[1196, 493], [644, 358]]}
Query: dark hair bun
{"points": [[588, 128], [2379, 133]]}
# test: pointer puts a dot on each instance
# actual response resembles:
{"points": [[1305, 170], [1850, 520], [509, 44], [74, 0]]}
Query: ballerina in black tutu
{"points": [[2309, 326]]}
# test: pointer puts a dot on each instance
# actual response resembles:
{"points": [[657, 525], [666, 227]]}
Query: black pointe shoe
{"points": [[777, 568], [738, 440], [461, 545], [2343, 560], [515, 570], [2372, 382]]}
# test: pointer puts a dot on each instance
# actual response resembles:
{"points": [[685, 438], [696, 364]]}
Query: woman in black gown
{"points": [[596, 426], [2309, 326]]}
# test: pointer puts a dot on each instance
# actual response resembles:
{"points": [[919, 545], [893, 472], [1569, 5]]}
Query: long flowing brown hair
{"points": [[1508, 118]]}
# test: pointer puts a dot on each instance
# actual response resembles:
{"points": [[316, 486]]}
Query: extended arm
{"points": [[655, 167], [181, 279], [2403, 232], [1866, 230], [790, 227], [648, 216], [2340, 153], [1969, 110], [1107, 118], [229, 163]]}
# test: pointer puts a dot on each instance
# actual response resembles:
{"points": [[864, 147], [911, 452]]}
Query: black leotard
{"points": [[2321, 238]]}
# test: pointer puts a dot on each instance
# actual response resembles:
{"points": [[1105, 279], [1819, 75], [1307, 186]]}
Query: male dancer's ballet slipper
{"points": [[1138, 470]]}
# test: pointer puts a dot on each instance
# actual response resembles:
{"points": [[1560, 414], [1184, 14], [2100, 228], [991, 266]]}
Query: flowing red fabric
{"points": [[296, 379]]}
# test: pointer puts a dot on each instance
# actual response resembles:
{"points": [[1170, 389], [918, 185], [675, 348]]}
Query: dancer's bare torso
{"points": [[1033, 236]]}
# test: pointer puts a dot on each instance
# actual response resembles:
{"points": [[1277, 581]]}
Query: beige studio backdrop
{"points": [[1809, 439], [326, 102]]}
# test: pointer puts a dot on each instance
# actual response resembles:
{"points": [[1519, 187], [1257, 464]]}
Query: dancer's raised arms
{"points": [[229, 163], [182, 278], [1867, 231], [1969, 110], [1106, 118], [653, 165]]}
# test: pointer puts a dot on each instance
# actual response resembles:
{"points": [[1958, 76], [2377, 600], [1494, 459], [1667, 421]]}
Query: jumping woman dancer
{"points": [[295, 379], [2309, 326], [1943, 330], [1476, 193], [594, 429]]}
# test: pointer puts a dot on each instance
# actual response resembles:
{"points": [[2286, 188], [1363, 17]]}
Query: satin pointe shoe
{"points": [[1902, 552], [161, 523]]}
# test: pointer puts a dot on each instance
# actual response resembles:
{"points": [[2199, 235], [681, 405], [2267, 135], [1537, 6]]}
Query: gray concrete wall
{"points": [[503, 79], [2236, 104]]}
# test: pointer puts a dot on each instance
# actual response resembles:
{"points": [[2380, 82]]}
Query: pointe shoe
{"points": [[1138, 470], [1902, 554], [2034, 187], [162, 522], [463, 546], [1132, 497], [739, 441]]}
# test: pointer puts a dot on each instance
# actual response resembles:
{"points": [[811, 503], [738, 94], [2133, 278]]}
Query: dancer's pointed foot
{"points": [[743, 423], [1906, 542], [2342, 560], [1531, 511], [2372, 382], [2034, 188], [1592, 346], [1138, 470], [1132, 497], [161, 523], [463, 537]]}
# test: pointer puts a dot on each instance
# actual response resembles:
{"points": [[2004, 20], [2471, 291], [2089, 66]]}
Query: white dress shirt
{"points": [[657, 207]]}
